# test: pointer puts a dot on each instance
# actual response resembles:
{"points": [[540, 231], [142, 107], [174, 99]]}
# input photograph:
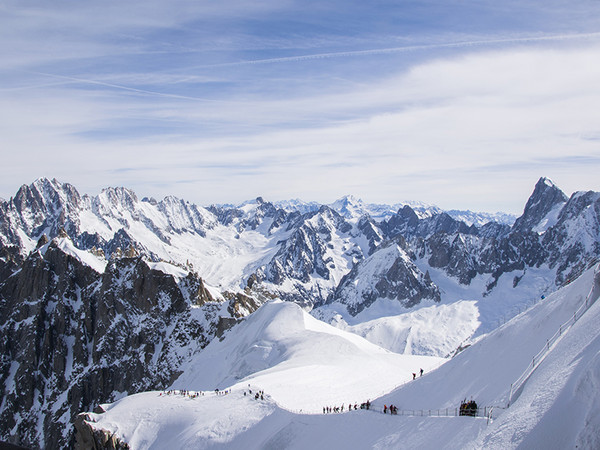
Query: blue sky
{"points": [[464, 104]]}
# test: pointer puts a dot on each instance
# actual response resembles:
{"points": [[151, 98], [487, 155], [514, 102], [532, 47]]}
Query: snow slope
{"points": [[431, 330], [302, 362], [559, 406]]}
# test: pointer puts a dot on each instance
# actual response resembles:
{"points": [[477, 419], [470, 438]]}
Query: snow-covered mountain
{"points": [[553, 346], [110, 294]]}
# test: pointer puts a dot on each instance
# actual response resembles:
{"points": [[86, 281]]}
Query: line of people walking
{"points": [[183, 393], [350, 407]]}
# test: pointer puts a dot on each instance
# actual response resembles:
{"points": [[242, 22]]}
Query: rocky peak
{"points": [[545, 200], [118, 197], [44, 206], [389, 274]]}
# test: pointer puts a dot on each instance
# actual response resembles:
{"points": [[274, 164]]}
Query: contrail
{"points": [[409, 48], [126, 88]]}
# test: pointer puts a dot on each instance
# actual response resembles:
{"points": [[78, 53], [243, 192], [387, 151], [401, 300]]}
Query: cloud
{"points": [[280, 104]]}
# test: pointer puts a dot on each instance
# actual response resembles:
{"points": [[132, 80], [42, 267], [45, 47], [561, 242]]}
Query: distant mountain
{"points": [[352, 208]]}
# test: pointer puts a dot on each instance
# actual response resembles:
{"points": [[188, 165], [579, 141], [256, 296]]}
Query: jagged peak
{"points": [[118, 195], [545, 199]]}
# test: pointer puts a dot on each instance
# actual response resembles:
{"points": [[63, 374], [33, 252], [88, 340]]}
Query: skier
{"points": [[385, 409], [421, 372], [414, 376]]}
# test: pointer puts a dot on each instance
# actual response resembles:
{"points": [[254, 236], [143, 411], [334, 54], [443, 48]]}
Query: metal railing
{"points": [[517, 386], [486, 412]]}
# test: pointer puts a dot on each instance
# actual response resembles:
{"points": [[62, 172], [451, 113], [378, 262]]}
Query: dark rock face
{"points": [[308, 254], [562, 233], [575, 239], [406, 223], [72, 338], [387, 274], [90, 438]]}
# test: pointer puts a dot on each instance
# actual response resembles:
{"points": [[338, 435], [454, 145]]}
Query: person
{"points": [[414, 376], [385, 409], [421, 372]]}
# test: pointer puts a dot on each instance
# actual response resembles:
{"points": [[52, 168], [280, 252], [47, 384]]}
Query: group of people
{"points": [[350, 407], [468, 408], [226, 391], [257, 394], [392, 409], [183, 393], [415, 375]]}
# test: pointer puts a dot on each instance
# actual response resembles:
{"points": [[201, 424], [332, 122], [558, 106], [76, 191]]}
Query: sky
{"points": [[464, 104]]}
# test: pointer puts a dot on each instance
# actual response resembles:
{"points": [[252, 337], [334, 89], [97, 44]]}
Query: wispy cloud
{"points": [[462, 104]]}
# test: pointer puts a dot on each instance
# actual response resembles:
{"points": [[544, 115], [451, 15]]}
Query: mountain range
{"points": [[108, 295]]}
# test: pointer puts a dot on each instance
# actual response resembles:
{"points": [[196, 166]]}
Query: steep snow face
{"points": [[436, 330], [486, 370], [301, 362]]}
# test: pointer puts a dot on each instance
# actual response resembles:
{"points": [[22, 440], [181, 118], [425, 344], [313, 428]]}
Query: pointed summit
{"points": [[542, 208]]}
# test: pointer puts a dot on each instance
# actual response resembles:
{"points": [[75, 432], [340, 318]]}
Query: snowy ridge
{"points": [[275, 349]]}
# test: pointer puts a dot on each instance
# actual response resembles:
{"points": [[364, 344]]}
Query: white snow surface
{"points": [[559, 406], [432, 330], [281, 346]]}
